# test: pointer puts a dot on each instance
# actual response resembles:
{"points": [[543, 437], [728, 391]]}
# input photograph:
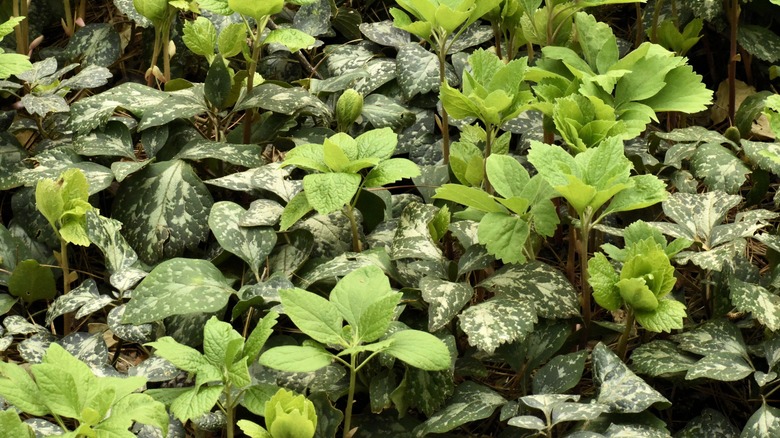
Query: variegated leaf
{"points": [[764, 305], [567, 411], [164, 209], [289, 101], [471, 402], [412, 237], [759, 41], [139, 334], [384, 33], [93, 111], [552, 294], [177, 287], [114, 141], [181, 104], [718, 336], [474, 258], [473, 36], [430, 389], [527, 422], [622, 390], [90, 349], [247, 155], [714, 259], [726, 367], [53, 162], [252, 245], [17, 325], [96, 44], [286, 259], [379, 71], [344, 264], [104, 233], [382, 112], [546, 402], [269, 177], [765, 422], [34, 348], [719, 167], [560, 374], [711, 424], [660, 358], [123, 169], [772, 350], [762, 154], [694, 134], [261, 213], [44, 104], [418, 70], [445, 298], [746, 224], [700, 212], [497, 321], [332, 233], [466, 232], [634, 431]]}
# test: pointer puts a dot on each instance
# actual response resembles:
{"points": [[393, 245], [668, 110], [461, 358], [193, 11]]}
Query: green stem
{"points": [[623, 342], [69, 25], [350, 213], [640, 25], [656, 13], [445, 118], [250, 75], [229, 410], [166, 38], [585, 227], [733, 19], [155, 55], [490, 133], [350, 395], [64, 264]]}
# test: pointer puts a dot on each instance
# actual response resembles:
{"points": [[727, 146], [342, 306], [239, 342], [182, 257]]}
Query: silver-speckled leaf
{"points": [[719, 167], [126, 278], [711, 424], [718, 336], [325, 379], [694, 134], [560, 374], [177, 287], [762, 304], [473, 36], [247, 155], [269, 177], [474, 258], [17, 325], [660, 358], [91, 76], [335, 84], [210, 421], [746, 224], [445, 299], [418, 70], [251, 244], [278, 99], [43, 428], [429, 389], [412, 237], [498, 321], [314, 18], [261, 213], [382, 112], [74, 300], [104, 233], [164, 209], [762, 153], [88, 348], [714, 259], [346, 58], [139, 334], [527, 422], [332, 233], [93, 111], [384, 33], [576, 412], [175, 428], [471, 402], [765, 422], [287, 258], [634, 431], [552, 294], [34, 348], [113, 141], [344, 264], [378, 72], [699, 213], [123, 169], [759, 41], [95, 44], [418, 134], [622, 390], [726, 367], [53, 162], [44, 104], [466, 232], [181, 104], [126, 7]]}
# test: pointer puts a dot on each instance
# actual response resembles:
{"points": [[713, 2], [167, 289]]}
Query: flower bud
{"points": [[290, 416], [348, 108]]}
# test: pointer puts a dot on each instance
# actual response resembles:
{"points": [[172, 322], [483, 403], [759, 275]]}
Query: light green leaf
{"points": [[221, 344], [445, 299], [504, 236], [10, 424], [726, 367], [253, 245], [666, 317], [252, 430], [470, 197], [497, 321], [622, 390], [293, 358], [176, 287], [195, 402], [259, 335], [200, 36], [603, 278], [471, 402], [328, 192], [297, 208], [183, 357], [684, 92], [507, 176], [419, 349], [366, 301], [646, 191], [390, 171], [32, 282], [19, 389], [314, 315], [61, 389], [232, 39], [293, 39], [13, 64]]}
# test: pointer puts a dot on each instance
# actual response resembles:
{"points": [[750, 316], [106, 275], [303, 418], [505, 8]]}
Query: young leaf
{"points": [[603, 279], [293, 358], [183, 357], [253, 245], [293, 39], [195, 402], [200, 36], [221, 344], [19, 389], [365, 300], [328, 192], [507, 176], [504, 236], [260, 334], [419, 349], [666, 317], [12, 426], [390, 171], [314, 315]]}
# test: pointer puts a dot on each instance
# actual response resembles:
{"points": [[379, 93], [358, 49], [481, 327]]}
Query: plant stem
{"points": [[229, 410], [166, 38], [350, 213], [623, 342], [585, 227], [250, 76], [640, 25], [733, 19], [64, 264], [444, 125], [69, 25], [656, 13], [21, 9], [350, 395], [155, 55], [490, 133]]}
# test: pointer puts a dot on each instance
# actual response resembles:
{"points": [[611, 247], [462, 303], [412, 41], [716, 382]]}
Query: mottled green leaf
{"points": [[471, 402], [764, 305], [718, 336], [622, 390], [560, 374], [726, 367], [660, 358], [413, 237], [765, 422], [289, 101], [710, 423], [252, 245], [176, 287], [497, 321], [445, 299], [418, 70]]}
